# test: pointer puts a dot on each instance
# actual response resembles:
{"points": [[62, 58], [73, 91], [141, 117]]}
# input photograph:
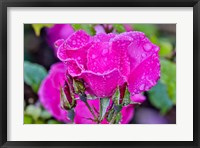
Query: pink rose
{"points": [[49, 95], [56, 32], [49, 92], [106, 61]]}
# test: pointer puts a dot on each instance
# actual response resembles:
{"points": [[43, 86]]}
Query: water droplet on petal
{"points": [[142, 86], [143, 55], [151, 82], [74, 42], [147, 88], [108, 76], [93, 56], [143, 77], [105, 51], [79, 58], [147, 47]]}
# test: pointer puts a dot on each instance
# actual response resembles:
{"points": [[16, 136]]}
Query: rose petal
{"points": [[77, 40], [101, 58], [127, 114], [103, 37], [139, 98], [140, 48], [99, 29], [62, 53], [49, 93], [73, 67], [145, 75], [103, 85], [83, 114], [120, 44], [58, 43], [79, 55], [58, 31]]}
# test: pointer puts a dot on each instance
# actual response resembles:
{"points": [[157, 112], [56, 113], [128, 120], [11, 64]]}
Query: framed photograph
{"points": [[103, 73]]}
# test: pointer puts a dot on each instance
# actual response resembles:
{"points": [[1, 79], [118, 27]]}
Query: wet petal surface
{"points": [[138, 98], [101, 58], [77, 40], [103, 85], [140, 49], [103, 37], [145, 75], [120, 44], [49, 92]]}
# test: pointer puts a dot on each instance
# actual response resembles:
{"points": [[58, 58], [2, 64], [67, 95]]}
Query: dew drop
{"points": [[108, 76], [143, 77], [147, 47], [142, 86], [147, 88], [79, 58], [105, 51], [74, 42], [93, 56], [143, 55]]}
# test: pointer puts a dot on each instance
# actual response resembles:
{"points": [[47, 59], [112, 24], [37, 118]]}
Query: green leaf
{"points": [[45, 115], [148, 29], [33, 111], [126, 100], [159, 98], [33, 75], [87, 27], [118, 108], [77, 26], [104, 103], [78, 86], [39, 121], [168, 77], [63, 100], [110, 115], [53, 122], [165, 48], [116, 96], [28, 119], [119, 28], [118, 118], [37, 27]]}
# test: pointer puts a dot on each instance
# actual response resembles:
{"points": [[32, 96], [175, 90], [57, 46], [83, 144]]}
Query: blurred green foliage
{"points": [[159, 98], [33, 75], [89, 28], [149, 29], [36, 114], [119, 28], [168, 77], [37, 27]]}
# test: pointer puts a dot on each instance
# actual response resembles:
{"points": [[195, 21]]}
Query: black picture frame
{"points": [[4, 4]]}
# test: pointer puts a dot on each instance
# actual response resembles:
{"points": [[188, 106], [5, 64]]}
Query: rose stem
{"points": [[92, 112], [113, 118]]}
